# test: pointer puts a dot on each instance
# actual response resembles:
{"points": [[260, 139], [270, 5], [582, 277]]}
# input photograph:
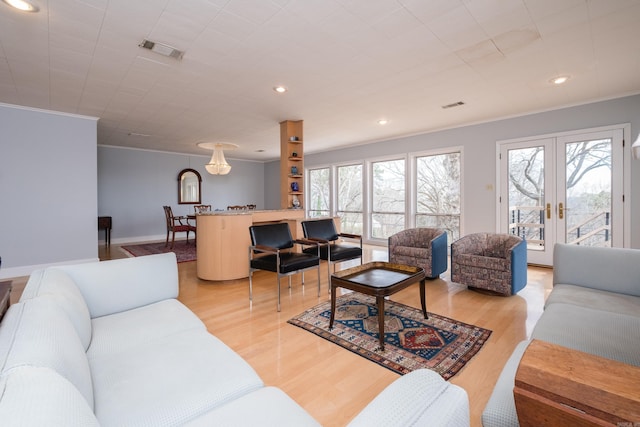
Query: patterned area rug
{"points": [[441, 344], [184, 251]]}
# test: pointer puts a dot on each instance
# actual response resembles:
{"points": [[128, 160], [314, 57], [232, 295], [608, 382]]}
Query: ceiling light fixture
{"points": [[559, 80], [383, 122], [23, 5], [280, 89], [218, 164], [162, 49]]}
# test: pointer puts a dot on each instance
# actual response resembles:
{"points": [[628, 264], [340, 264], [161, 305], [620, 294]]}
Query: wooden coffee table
{"points": [[379, 279]]}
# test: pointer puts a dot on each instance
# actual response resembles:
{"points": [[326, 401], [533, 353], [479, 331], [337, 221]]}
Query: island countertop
{"points": [[223, 239]]}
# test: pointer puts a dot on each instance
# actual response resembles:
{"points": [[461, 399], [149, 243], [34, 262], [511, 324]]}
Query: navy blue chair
{"points": [[323, 231], [494, 262], [420, 247], [271, 250]]}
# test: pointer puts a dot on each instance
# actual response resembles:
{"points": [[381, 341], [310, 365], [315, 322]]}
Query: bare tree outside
{"points": [[588, 193], [319, 193], [438, 193], [349, 183], [388, 198]]}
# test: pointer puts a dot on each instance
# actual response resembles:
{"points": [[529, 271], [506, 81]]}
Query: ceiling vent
{"points": [[455, 104], [162, 49]]}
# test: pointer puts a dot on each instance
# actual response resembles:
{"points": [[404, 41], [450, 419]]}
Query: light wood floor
{"points": [[332, 383]]}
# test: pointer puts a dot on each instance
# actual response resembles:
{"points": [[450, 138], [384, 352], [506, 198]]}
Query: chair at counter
{"points": [[202, 208], [175, 225]]}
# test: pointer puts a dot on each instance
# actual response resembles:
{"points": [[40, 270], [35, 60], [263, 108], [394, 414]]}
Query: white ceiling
{"points": [[346, 63]]}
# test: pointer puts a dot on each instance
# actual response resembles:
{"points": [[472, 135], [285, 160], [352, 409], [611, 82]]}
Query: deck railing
{"points": [[528, 222]]}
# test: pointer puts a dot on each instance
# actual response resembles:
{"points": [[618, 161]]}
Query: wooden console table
{"points": [[104, 223], [558, 386], [5, 297]]}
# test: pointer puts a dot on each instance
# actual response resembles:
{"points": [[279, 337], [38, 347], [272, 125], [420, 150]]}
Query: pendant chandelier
{"points": [[218, 165]]}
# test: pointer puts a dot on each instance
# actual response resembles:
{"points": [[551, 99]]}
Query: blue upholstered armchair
{"points": [[490, 261], [420, 247]]}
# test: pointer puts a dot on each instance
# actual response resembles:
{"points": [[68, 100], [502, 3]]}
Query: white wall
{"points": [[479, 154], [133, 185], [48, 188]]}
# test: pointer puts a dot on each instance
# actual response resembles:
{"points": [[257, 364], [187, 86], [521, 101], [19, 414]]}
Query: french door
{"points": [[565, 189]]}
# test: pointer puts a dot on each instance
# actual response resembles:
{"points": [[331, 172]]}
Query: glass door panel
{"points": [[586, 190], [526, 200]]}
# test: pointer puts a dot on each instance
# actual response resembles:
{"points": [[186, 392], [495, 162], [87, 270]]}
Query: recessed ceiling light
{"points": [[383, 122], [22, 5], [280, 89], [559, 80]]}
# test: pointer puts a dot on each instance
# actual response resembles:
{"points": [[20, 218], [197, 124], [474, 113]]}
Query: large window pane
{"points": [[319, 194], [388, 198], [349, 186], [438, 193]]}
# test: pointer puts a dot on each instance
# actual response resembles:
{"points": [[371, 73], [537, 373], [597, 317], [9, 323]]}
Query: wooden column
{"points": [[291, 163]]}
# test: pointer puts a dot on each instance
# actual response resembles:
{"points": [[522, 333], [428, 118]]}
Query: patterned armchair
{"points": [[420, 247], [495, 262]]}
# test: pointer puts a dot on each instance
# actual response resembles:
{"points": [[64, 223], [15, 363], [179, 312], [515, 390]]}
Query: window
{"points": [[380, 197], [437, 190], [349, 197], [388, 198], [319, 193]]}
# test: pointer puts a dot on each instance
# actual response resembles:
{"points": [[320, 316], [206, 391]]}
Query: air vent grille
{"points": [[162, 49], [455, 104]]}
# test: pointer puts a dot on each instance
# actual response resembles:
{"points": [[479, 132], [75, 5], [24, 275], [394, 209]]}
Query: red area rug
{"points": [[184, 251], [411, 342]]}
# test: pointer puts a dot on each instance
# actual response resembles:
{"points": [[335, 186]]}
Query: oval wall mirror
{"points": [[189, 181]]}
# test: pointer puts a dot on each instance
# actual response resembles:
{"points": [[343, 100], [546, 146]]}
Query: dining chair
{"points": [[324, 233], [202, 208], [271, 250], [175, 225], [236, 207]]}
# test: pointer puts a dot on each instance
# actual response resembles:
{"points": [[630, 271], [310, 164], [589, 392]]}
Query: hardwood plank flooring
{"points": [[332, 383]]}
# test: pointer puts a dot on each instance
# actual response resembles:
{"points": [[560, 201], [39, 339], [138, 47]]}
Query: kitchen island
{"points": [[223, 239]]}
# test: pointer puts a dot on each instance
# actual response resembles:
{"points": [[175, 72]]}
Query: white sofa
{"points": [[108, 344], [594, 307]]}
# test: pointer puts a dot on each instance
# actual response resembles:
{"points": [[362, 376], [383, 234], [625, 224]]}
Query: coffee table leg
{"points": [[380, 304], [333, 303], [423, 299]]}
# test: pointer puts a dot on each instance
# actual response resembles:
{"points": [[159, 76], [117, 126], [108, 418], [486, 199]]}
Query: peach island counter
{"points": [[223, 239]]}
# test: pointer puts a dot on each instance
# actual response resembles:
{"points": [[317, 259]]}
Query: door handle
{"points": [[560, 211], [548, 210]]}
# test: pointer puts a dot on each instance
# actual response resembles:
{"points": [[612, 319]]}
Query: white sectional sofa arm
{"points": [[418, 398], [114, 286], [612, 270]]}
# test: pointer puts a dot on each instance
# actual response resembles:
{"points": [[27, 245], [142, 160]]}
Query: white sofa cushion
{"points": [[501, 407], [594, 298], [61, 288], [127, 330], [35, 397], [113, 286], [601, 333], [37, 332], [418, 398], [609, 269], [266, 407], [169, 381]]}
